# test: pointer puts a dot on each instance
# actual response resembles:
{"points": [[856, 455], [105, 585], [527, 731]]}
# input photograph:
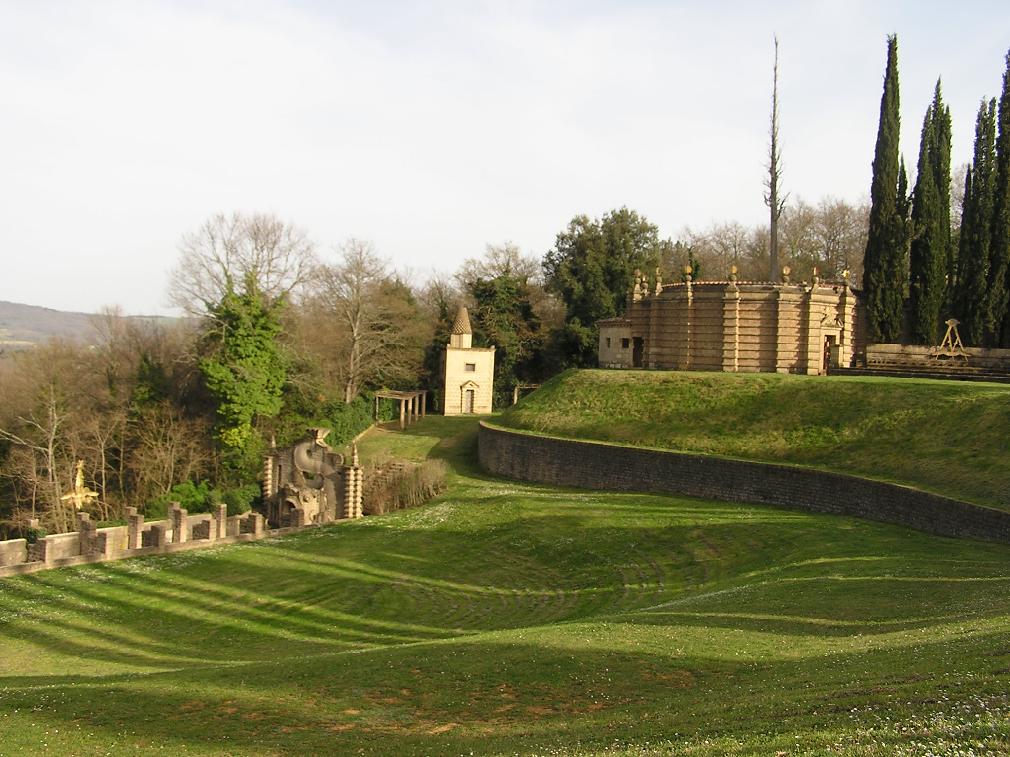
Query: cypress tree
{"points": [[960, 295], [940, 163], [975, 229], [1000, 244], [928, 261], [882, 259]]}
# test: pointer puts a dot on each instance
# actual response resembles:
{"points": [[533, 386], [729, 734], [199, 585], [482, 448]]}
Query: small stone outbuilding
{"points": [[469, 371]]}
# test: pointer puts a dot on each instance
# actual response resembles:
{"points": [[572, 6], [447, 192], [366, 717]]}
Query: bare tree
{"points": [[227, 249], [500, 259], [507, 259], [776, 203], [378, 336], [839, 231]]}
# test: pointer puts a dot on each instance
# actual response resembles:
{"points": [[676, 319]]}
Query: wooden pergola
{"points": [[412, 404]]}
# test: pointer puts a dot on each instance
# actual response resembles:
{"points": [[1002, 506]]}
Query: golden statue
{"points": [[81, 495]]}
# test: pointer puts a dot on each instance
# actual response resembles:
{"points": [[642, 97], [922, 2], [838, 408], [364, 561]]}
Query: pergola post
{"points": [[403, 424], [424, 401]]}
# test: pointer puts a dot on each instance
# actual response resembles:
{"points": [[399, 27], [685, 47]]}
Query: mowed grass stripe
{"points": [[509, 618]]}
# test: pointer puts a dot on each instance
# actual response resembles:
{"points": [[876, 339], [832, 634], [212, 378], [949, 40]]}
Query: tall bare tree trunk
{"points": [[775, 203]]}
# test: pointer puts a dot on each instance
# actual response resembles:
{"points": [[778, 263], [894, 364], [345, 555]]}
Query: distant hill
{"points": [[24, 326]]}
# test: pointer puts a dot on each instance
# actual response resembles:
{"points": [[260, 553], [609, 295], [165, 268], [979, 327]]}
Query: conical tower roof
{"points": [[462, 323]]}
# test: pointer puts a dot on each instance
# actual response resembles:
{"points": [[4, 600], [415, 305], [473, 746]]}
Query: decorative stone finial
{"points": [[786, 270], [732, 273], [462, 323], [814, 277]]}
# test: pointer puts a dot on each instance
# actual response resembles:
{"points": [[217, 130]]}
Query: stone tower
{"points": [[469, 371]]}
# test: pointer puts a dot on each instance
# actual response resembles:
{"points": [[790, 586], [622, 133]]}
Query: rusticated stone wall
{"points": [[594, 465], [735, 326]]}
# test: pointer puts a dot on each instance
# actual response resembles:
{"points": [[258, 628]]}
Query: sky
{"points": [[435, 128]]}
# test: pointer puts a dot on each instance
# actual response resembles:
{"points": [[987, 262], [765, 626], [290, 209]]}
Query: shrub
{"points": [[32, 535], [397, 485], [345, 421], [194, 497], [240, 499]]}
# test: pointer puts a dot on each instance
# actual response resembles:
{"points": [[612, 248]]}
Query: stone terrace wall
{"points": [[180, 531], [593, 465]]}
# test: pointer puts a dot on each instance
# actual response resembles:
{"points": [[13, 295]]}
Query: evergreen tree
{"points": [[928, 261], [998, 319], [959, 298], [503, 317], [940, 165], [591, 267], [975, 263], [883, 280]]}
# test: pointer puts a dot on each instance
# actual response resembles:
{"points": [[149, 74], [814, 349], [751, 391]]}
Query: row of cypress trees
{"points": [[911, 255]]}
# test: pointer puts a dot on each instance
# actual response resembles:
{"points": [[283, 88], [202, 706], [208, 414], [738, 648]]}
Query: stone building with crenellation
{"points": [[736, 326]]}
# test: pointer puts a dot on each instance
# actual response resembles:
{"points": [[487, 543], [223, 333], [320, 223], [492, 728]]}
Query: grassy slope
{"points": [[508, 618], [946, 436]]}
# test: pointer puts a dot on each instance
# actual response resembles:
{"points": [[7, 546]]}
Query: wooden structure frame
{"points": [[412, 404]]}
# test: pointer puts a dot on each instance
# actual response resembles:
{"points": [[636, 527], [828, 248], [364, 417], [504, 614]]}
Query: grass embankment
{"points": [[506, 618], [950, 437]]}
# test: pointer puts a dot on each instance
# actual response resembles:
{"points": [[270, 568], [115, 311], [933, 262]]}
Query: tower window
{"points": [[625, 343], [470, 367]]}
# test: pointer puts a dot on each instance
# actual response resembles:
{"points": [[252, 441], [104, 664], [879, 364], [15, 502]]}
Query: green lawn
{"points": [[951, 437], [505, 618]]}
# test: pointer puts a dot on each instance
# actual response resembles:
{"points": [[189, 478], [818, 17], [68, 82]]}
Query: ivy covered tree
{"points": [[244, 369], [591, 267], [883, 261], [974, 261]]}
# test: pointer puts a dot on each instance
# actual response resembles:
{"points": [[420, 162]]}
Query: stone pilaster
{"points": [[134, 529], [177, 520], [220, 523], [731, 329], [86, 534]]}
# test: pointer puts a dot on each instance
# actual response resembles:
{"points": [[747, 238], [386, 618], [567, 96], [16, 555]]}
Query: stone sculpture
{"points": [[311, 483]]}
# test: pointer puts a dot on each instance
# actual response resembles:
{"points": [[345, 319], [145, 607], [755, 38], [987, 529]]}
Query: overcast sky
{"points": [[435, 128]]}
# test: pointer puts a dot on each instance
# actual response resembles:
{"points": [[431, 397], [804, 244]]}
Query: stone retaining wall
{"points": [[593, 465], [88, 544]]}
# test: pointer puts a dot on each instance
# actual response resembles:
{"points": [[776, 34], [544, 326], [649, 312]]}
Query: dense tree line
{"points": [[276, 340], [925, 261]]}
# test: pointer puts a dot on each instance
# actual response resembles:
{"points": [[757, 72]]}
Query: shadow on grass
{"points": [[503, 695]]}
